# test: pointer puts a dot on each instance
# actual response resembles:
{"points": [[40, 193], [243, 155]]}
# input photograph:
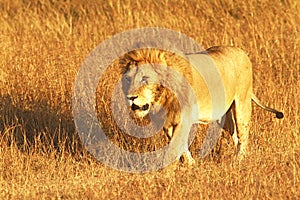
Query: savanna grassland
{"points": [[43, 44]]}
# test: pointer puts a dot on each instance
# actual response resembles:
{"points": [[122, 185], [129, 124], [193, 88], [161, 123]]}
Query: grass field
{"points": [[43, 44]]}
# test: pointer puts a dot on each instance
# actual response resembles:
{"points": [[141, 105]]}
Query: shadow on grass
{"points": [[41, 129], [38, 128]]}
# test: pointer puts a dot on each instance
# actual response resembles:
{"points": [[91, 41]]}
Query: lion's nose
{"points": [[131, 98]]}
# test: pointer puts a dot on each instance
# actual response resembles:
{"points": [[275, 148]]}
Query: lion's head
{"points": [[146, 72]]}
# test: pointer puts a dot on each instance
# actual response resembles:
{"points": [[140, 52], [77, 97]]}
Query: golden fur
{"points": [[147, 72]]}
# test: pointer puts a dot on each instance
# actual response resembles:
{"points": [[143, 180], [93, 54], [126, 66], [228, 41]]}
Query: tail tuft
{"points": [[279, 115]]}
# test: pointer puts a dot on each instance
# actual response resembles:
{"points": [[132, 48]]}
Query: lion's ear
{"points": [[123, 65]]}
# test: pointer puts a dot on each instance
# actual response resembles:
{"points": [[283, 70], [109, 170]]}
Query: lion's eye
{"points": [[128, 79], [145, 79]]}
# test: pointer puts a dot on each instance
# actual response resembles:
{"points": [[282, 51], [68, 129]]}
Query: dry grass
{"points": [[43, 44]]}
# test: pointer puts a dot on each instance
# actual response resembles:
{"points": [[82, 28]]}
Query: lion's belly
{"points": [[207, 112]]}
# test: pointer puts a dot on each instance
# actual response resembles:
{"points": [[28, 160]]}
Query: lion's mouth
{"points": [[135, 107]]}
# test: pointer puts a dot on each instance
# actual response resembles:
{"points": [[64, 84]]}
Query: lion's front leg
{"points": [[186, 157], [179, 144]]}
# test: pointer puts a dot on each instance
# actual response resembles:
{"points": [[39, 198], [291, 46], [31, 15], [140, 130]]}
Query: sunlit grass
{"points": [[43, 44]]}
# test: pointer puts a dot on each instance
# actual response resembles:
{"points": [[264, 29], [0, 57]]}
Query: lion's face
{"points": [[141, 86]]}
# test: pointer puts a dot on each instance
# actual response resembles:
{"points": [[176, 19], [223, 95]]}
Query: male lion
{"points": [[147, 72]]}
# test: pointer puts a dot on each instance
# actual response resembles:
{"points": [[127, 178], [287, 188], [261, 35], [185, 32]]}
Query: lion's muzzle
{"points": [[138, 105], [140, 110]]}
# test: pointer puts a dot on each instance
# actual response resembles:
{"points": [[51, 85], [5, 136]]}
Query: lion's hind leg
{"points": [[242, 117]]}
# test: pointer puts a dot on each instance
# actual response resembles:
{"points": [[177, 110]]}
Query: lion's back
{"points": [[234, 66], [231, 57]]}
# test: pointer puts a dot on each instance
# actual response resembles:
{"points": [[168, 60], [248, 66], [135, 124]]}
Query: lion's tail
{"points": [[279, 114]]}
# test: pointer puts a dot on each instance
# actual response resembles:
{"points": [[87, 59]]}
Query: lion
{"points": [[147, 73]]}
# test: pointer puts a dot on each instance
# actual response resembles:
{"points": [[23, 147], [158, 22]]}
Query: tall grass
{"points": [[43, 44]]}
